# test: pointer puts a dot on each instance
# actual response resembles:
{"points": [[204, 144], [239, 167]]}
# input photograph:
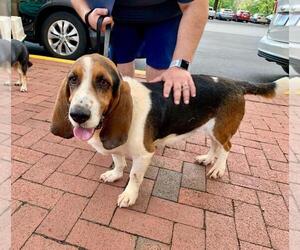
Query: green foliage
{"points": [[254, 6]]}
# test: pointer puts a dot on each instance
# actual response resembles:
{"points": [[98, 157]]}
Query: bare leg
{"points": [[152, 73], [117, 172], [138, 170], [126, 69]]}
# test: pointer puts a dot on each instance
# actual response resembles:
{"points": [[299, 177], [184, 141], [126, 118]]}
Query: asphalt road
{"points": [[227, 49]]}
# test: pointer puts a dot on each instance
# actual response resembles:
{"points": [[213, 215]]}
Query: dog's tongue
{"points": [[83, 133]]}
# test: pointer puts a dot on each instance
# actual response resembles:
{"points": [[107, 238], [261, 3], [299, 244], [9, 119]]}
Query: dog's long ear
{"points": [[116, 125], [60, 124]]}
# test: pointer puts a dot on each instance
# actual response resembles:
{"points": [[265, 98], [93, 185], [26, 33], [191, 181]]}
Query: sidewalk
{"points": [[59, 202]]}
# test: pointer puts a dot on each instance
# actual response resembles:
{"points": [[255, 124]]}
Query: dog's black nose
{"points": [[80, 114]]}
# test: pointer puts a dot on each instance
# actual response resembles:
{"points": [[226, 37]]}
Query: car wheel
{"points": [[64, 35], [285, 68]]}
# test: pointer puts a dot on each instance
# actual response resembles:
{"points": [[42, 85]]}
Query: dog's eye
{"points": [[73, 80], [102, 83]]}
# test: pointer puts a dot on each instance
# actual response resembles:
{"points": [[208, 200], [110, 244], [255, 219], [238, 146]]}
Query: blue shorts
{"points": [[156, 42]]}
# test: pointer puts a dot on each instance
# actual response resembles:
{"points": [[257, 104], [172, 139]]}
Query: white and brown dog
{"points": [[127, 118]]}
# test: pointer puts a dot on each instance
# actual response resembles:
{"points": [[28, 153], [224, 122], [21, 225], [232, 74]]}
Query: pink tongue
{"points": [[83, 133]]}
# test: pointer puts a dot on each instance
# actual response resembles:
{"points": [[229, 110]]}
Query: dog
{"points": [[15, 55], [123, 117]]}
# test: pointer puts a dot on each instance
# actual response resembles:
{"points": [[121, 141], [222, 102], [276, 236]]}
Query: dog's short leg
{"points": [[138, 170], [24, 83], [210, 157], [218, 169], [117, 172], [7, 75]]}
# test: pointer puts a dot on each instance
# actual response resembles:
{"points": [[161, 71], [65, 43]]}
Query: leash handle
{"points": [[103, 50]]}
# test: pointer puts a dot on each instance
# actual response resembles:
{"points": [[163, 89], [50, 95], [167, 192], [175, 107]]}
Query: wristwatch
{"points": [[180, 63]]}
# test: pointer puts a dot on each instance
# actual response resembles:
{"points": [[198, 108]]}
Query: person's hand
{"points": [[95, 14], [181, 81]]}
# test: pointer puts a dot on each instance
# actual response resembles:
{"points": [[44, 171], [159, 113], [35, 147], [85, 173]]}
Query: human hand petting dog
{"points": [[180, 80]]}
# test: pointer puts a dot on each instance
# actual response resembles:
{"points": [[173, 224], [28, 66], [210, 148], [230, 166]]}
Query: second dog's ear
{"points": [[60, 124]]}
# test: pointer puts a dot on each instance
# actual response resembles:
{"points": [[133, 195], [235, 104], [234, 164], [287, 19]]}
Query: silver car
{"points": [[281, 44]]}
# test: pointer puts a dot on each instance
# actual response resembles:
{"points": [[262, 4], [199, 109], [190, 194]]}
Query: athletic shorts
{"points": [[156, 42]]}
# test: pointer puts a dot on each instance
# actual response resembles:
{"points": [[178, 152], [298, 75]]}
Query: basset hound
{"points": [[126, 118]]}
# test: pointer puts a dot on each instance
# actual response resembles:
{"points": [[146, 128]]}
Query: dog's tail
{"points": [[29, 64], [269, 90]]}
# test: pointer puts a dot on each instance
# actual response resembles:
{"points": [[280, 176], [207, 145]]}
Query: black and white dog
{"points": [[15, 55]]}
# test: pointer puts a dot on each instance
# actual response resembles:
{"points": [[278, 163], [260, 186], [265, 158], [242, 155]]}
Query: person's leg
{"points": [[152, 73], [126, 39], [160, 43], [126, 69]]}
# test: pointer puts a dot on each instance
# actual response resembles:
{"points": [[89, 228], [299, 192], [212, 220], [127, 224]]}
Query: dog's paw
{"points": [[217, 171], [6, 83], [18, 83], [205, 160], [111, 176], [127, 198], [23, 89]]}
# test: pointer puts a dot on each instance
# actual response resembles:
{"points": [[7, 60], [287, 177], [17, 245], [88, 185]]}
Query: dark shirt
{"points": [[146, 11]]}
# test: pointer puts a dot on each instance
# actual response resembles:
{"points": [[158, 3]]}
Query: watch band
{"points": [[180, 63]]}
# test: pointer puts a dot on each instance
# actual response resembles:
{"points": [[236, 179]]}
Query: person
{"points": [[168, 30]]}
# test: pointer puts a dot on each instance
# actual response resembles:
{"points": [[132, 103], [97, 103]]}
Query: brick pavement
{"points": [[59, 202]]}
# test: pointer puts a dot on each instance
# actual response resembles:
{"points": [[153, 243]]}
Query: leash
{"points": [[103, 50]]}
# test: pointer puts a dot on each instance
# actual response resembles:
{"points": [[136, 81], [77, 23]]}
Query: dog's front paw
{"points": [[18, 83], [23, 89], [217, 171], [127, 198], [111, 176], [205, 159]]}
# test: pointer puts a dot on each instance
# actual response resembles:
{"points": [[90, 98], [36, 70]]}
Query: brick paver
{"points": [[60, 203]]}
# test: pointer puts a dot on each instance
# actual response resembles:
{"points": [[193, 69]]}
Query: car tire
{"points": [[70, 44], [285, 68]]}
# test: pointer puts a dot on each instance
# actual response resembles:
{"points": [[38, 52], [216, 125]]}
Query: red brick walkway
{"points": [[59, 202]]}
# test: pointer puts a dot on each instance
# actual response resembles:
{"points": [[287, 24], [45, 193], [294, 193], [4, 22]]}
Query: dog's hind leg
{"points": [[117, 172], [227, 122], [210, 157]]}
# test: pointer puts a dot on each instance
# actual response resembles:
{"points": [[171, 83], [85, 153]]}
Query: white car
{"points": [[281, 44], [225, 14], [211, 13], [258, 18]]}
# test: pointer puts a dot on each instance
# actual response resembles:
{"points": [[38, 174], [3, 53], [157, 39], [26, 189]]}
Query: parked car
{"points": [[281, 44], [211, 13], [225, 14], [242, 16], [258, 18], [55, 24]]}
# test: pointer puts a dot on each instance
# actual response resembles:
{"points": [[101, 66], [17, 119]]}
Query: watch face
{"points": [[180, 63]]}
